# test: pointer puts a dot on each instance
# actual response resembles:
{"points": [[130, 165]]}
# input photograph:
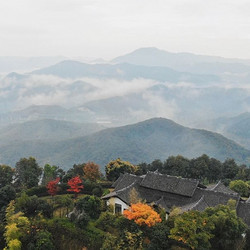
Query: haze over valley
{"points": [[70, 101]]}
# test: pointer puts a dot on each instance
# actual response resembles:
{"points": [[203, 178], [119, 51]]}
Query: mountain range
{"points": [[236, 128], [187, 62], [65, 111], [152, 139]]}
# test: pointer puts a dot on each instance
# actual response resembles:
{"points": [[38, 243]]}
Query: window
{"points": [[118, 208]]}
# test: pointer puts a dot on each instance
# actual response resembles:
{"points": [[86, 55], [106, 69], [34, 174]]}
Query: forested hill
{"points": [[152, 139]]}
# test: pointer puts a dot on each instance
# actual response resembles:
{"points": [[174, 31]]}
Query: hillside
{"points": [[47, 129], [235, 128], [40, 112], [144, 141]]}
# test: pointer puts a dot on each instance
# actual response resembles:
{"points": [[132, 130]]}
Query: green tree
{"points": [[177, 165], [76, 170], [158, 236], [114, 168], [240, 187], [228, 227], [44, 241], [27, 173], [229, 169], [193, 229], [91, 205], [6, 175], [50, 173], [32, 206], [7, 193]]}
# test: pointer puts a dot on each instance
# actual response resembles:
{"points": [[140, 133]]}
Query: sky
{"points": [[109, 28]]}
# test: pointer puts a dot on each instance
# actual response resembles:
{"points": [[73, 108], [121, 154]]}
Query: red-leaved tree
{"points": [[52, 186], [75, 184]]}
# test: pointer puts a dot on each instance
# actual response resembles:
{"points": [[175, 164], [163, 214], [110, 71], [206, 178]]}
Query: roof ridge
{"points": [[216, 185], [173, 176], [129, 186], [215, 191], [201, 199]]}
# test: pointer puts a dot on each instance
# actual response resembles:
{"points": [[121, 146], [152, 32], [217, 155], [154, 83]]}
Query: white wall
{"points": [[116, 200]]}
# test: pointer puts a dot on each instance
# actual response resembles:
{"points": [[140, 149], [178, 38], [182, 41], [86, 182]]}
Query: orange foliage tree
{"points": [[75, 184], [91, 171], [142, 214], [52, 186]]}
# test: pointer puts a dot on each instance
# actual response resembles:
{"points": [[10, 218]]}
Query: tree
{"points": [[142, 214], [229, 169], [75, 184], [91, 171], [158, 237], [228, 227], [240, 187], [17, 226], [177, 165], [27, 173], [134, 196], [76, 170], [193, 229], [32, 206], [7, 193], [6, 175], [53, 187], [51, 172], [117, 167], [91, 205]]}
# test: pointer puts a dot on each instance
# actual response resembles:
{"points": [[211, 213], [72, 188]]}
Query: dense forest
{"points": [[49, 208]]}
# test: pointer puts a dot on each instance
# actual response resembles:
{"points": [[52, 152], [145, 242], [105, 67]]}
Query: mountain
{"points": [[40, 112], [187, 62], [125, 71], [47, 130], [184, 104], [152, 139], [236, 128]]}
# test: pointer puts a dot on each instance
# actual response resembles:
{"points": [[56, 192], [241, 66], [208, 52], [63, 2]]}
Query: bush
{"points": [[65, 234], [38, 191], [106, 221], [44, 241], [91, 205], [240, 187], [32, 205], [97, 191]]}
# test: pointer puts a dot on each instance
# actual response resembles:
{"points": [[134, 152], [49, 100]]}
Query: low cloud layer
{"points": [[139, 99]]}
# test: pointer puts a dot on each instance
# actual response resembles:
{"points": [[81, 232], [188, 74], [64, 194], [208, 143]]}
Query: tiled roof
{"points": [[214, 198], [117, 181], [220, 187], [170, 184], [168, 191], [243, 211], [199, 205], [126, 180]]}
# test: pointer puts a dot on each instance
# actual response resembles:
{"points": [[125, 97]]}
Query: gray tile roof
{"points": [[220, 187], [126, 180], [199, 205], [168, 191], [243, 211], [170, 184]]}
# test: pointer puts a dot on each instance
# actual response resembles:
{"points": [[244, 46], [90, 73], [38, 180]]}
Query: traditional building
{"points": [[167, 191]]}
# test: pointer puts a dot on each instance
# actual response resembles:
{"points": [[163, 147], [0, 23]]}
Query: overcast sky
{"points": [[109, 28]]}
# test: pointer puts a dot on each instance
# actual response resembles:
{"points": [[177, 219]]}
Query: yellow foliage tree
{"points": [[142, 214], [17, 225]]}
